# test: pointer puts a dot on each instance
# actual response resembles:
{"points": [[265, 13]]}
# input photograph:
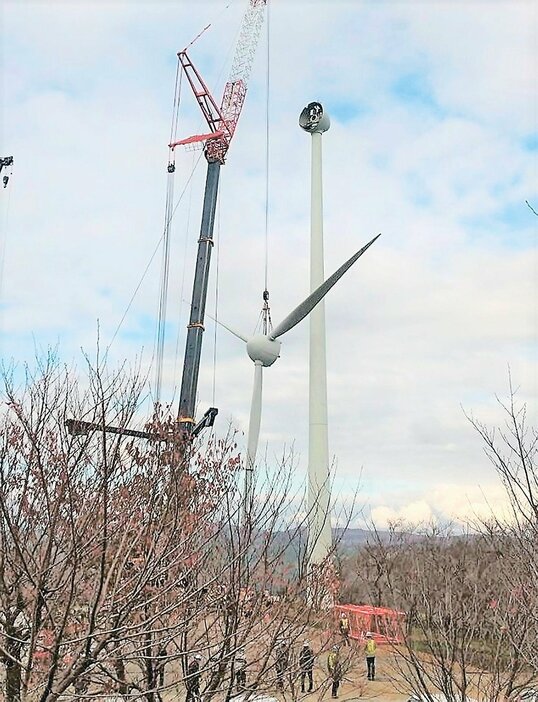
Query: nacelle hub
{"points": [[261, 348]]}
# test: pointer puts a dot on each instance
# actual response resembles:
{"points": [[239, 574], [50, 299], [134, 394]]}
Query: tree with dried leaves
{"points": [[122, 558], [471, 599]]}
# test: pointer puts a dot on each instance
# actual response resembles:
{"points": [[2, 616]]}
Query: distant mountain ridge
{"points": [[347, 538]]}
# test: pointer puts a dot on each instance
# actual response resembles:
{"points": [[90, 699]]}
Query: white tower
{"points": [[314, 120]]}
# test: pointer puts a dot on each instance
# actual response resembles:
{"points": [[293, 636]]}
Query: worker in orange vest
{"points": [[370, 649]]}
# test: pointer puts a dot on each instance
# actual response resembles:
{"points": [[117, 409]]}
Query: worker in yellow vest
{"points": [[334, 666], [370, 649], [343, 625]]}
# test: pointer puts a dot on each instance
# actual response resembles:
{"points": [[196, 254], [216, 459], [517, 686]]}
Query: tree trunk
{"points": [[13, 671]]}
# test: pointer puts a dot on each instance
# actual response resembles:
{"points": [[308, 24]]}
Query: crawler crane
{"points": [[222, 123]]}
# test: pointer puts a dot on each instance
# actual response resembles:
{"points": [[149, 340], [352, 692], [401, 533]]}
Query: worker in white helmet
{"points": [[306, 665]]}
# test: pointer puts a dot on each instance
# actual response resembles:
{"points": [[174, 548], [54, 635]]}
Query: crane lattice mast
{"points": [[222, 122]]}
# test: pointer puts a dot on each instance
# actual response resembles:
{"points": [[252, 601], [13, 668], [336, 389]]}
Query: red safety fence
{"points": [[385, 625]]}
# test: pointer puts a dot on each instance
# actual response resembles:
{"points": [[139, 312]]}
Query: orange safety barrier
{"points": [[385, 625]]}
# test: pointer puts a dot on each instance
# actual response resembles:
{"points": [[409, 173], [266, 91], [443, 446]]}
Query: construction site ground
{"points": [[355, 685]]}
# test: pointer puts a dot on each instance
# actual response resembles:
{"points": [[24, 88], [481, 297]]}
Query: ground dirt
{"points": [[354, 687]]}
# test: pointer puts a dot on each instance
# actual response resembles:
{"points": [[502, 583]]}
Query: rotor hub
{"points": [[262, 348]]}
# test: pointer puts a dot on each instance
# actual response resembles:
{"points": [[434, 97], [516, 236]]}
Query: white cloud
{"points": [[414, 513], [460, 503]]}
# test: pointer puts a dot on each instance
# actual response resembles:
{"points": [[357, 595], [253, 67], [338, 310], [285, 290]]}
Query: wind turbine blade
{"points": [[255, 415], [232, 331], [253, 428], [302, 310]]}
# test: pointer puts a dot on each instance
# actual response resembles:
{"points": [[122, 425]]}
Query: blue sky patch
{"points": [[346, 111], [143, 329], [414, 88], [530, 142], [513, 226]]}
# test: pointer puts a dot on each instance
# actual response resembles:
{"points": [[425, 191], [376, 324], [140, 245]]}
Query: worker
{"points": [[370, 649], [281, 663], [241, 671], [343, 625], [162, 656], [306, 664], [334, 667], [82, 684], [192, 681]]}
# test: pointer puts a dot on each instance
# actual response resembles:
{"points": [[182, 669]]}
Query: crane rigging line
{"points": [[165, 266], [170, 210], [165, 273], [177, 97], [182, 286], [215, 326], [208, 26], [3, 243], [267, 88], [142, 278]]}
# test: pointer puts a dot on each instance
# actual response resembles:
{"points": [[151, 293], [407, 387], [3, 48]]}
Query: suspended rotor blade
{"points": [[253, 428], [255, 415], [302, 310], [232, 331]]}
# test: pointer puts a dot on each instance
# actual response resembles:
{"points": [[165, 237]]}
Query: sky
{"points": [[433, 142]]}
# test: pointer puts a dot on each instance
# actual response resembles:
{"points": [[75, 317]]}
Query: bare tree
{"points": [[457, 640], [512, 450], [121, 559], [470, 599]]}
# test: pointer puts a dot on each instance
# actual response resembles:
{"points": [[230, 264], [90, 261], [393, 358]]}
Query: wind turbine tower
{"points": [[315, 120]]}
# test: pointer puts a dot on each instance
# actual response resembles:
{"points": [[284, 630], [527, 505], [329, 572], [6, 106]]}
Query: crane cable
{"points": [[173, 212], [267, 89], [165, 265], [4, 230], [163, 295], [216, 313], [182, 284], [265, 315], [148, 265]]}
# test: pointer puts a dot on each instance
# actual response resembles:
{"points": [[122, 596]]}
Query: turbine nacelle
{"points": [[263, 349]]}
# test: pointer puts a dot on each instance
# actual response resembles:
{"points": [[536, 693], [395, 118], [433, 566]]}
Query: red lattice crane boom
{"points": [[222, 121]]}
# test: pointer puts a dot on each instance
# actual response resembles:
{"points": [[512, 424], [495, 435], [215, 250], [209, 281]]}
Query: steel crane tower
{"points": [[222, 122]]}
